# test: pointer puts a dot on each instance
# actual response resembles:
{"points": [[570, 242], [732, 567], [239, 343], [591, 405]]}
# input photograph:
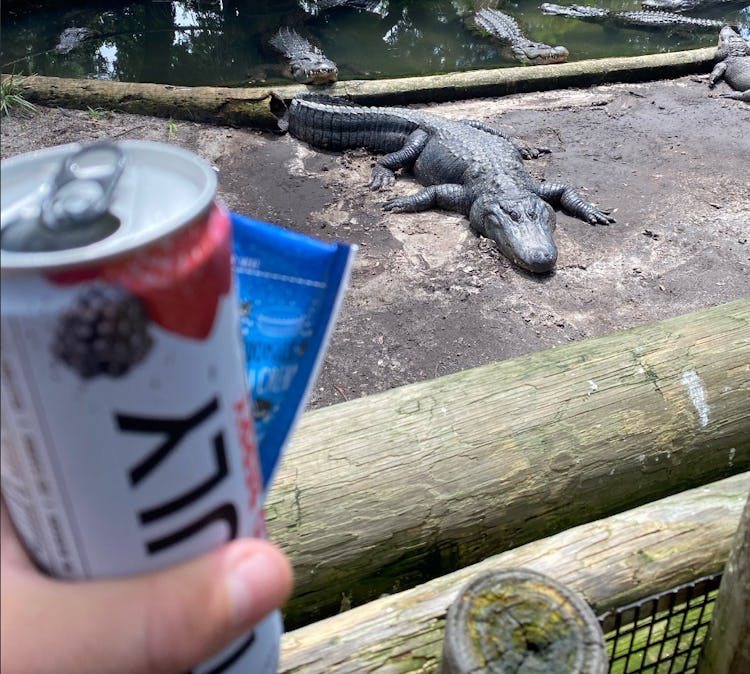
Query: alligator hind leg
{"points": [[566, 197], [449, 196], [717, 73], [383, 172]]}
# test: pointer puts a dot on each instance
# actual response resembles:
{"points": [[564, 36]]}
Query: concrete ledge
{"points": [[259, 106]]}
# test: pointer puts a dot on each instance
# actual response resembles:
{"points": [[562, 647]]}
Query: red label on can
{"points": [[187, 269]]}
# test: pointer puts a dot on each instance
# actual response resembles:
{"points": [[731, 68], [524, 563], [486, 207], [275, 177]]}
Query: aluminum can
{"points": [[127, 437]]}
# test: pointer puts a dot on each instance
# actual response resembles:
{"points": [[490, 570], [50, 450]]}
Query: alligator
{"points": [[308, 63], [467, 166], [505, 28], [635, 18], [682, 5], [70, 38], [733, 66], [315, 7]]}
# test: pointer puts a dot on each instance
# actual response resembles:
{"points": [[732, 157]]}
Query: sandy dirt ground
{"points": [[428, 297]]}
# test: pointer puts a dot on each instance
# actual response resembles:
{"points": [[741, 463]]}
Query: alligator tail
{"points": [[332, 123], [313, 97], [326, 99]]}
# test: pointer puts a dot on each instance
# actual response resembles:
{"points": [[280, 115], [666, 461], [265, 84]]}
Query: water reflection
{"points": [[106, 57], [196, 42]]}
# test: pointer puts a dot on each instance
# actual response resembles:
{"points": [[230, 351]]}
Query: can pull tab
{"points": [[83, 188]]}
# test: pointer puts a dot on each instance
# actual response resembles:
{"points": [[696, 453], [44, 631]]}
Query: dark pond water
{"points": [[226, 43]]}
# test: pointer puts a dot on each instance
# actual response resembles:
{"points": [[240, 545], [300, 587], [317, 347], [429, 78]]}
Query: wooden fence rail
{"points": [[378, 494], [611, 562]]}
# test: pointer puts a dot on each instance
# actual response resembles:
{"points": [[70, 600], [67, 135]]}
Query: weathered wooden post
{"points": [[727, 646], [520, 620]]}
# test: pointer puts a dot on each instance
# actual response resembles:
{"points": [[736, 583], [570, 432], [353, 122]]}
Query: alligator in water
{"points": [[682, 5], [635, 18], [505, 28], [70, 38], [733, 66], [467, 166], [315, 7], [308, 64]]}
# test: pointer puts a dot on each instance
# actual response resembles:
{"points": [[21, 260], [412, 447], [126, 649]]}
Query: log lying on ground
{"points": [[378, 494], [258, 106], [611, 562], [504, 81]]}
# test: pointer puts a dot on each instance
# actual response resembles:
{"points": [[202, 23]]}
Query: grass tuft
{"points": [[98, 114], [11, 97], [171, 129]]}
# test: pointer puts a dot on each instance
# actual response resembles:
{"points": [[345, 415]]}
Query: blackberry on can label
{"points": [[105, 332]]}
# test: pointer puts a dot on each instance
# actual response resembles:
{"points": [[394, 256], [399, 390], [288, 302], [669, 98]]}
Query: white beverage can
{"points": [[127, 437]]}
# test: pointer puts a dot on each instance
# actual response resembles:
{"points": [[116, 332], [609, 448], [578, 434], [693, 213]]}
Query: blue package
{"points": [[290, 288]]}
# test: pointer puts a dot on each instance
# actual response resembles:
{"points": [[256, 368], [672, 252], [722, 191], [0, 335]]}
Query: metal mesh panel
{"points": [[661, 634]]}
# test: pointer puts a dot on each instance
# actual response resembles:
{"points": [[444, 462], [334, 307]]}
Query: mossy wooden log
{"points": [[611, 562], [258, 106], [726, 649], [504, 81], [380, 493], [232, 107]]}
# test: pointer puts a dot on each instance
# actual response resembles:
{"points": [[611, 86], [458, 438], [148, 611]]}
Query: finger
{"points": [[14, 556], [169, 621]]}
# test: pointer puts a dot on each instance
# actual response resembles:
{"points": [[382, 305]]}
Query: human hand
{"points": [[159, 623]]}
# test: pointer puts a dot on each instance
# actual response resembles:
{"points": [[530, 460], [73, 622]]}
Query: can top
{"points": [[162, 188]]}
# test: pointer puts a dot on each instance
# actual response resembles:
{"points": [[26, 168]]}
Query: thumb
{"points": [[168, 621]]}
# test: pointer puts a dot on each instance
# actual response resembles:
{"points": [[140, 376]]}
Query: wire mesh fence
{"points": [[661, 634]]}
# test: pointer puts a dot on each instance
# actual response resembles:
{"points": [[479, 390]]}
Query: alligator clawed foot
{"points": [[396, 205], [381, 177], [601, 218], [528, 152]]}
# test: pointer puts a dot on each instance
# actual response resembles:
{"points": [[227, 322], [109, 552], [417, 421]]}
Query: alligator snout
{"points": [[315, 76], [538, 53], [539, 261]]}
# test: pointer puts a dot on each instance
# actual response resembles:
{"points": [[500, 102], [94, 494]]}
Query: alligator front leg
{"points": [[383, 173], [566, 197], [449, 196]]}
